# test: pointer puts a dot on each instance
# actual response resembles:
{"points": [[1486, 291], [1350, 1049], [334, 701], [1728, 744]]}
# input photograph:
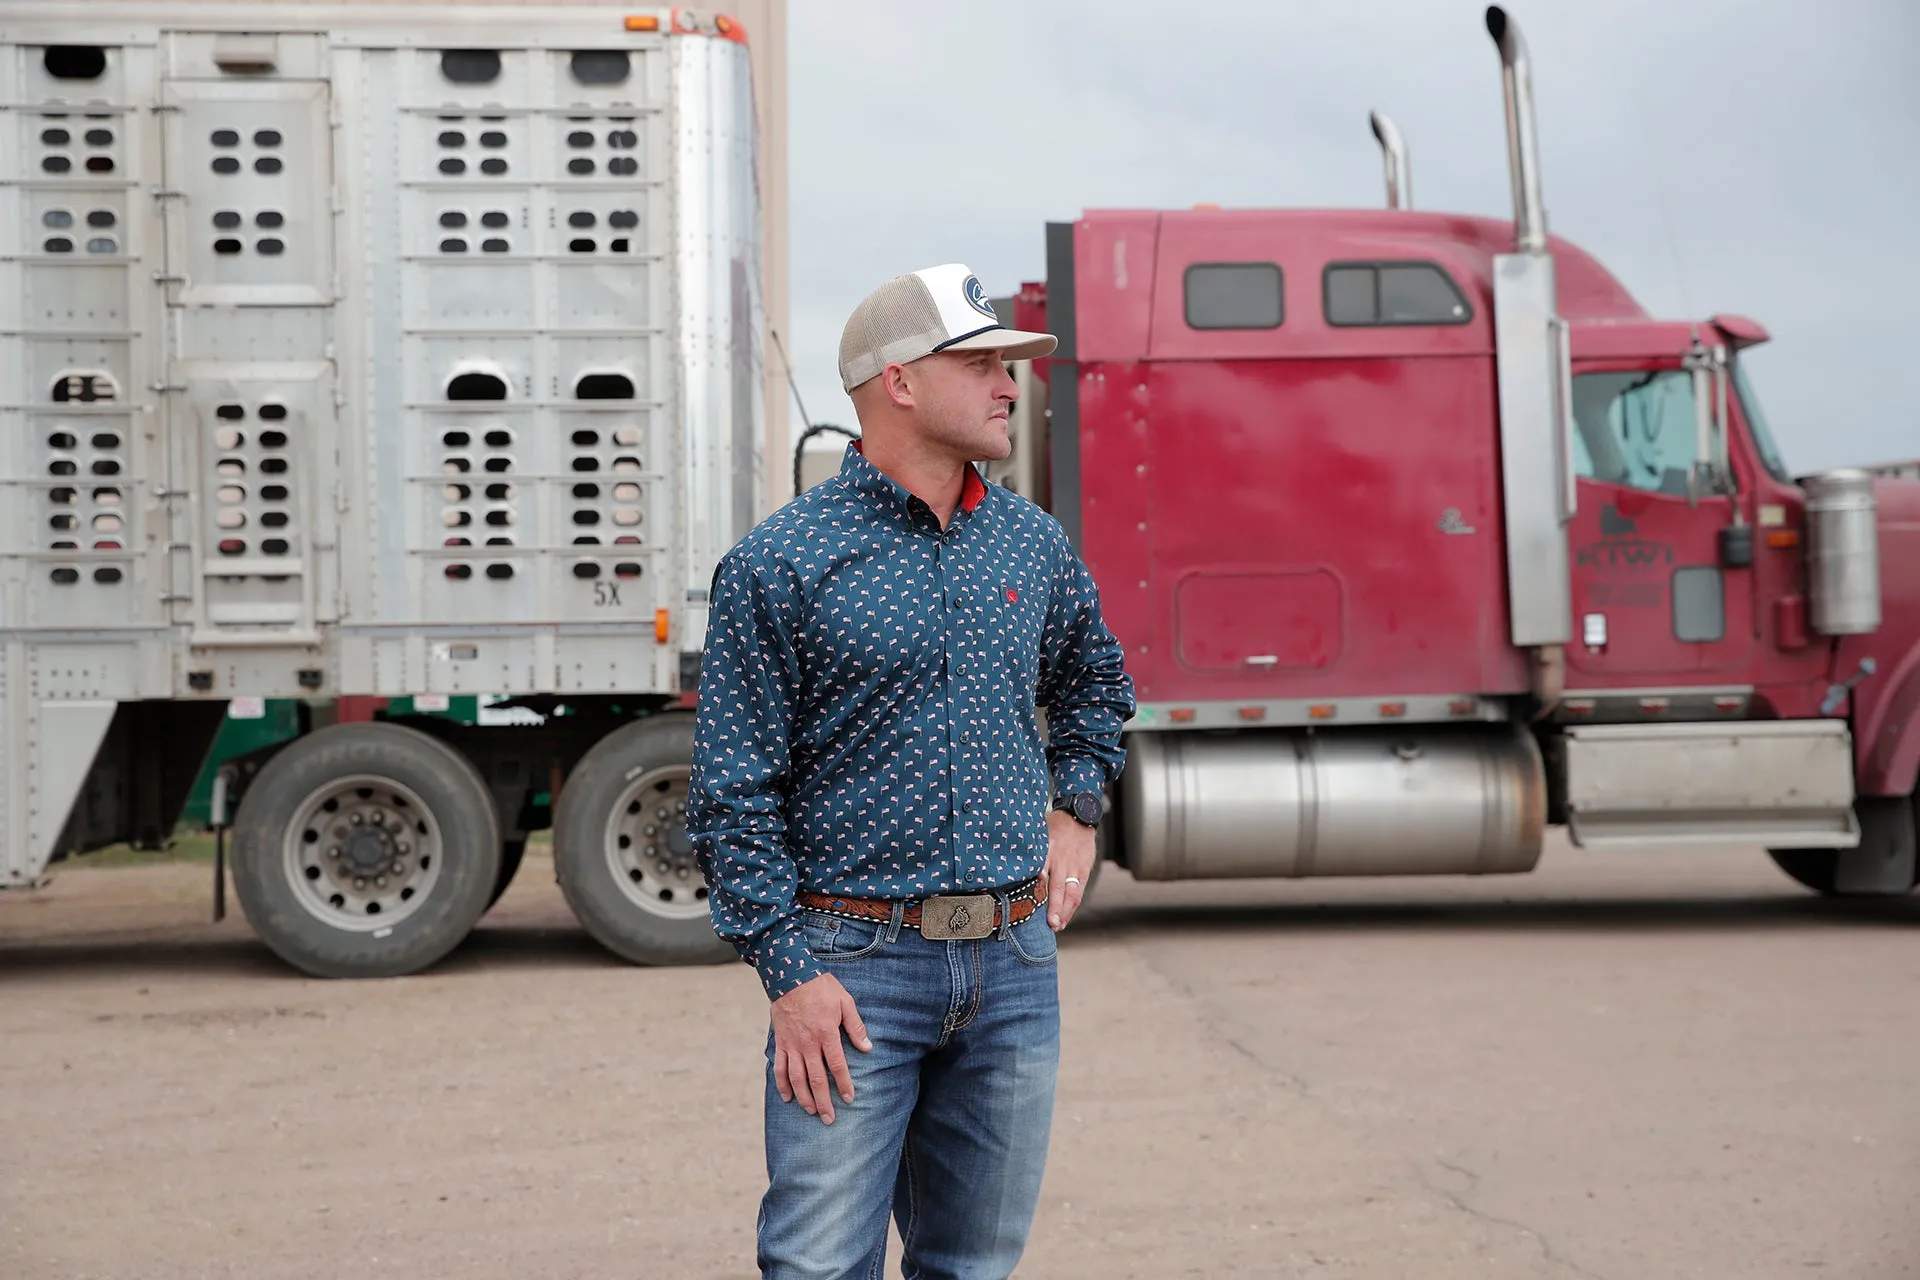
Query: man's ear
{"points": [[897, 386]]}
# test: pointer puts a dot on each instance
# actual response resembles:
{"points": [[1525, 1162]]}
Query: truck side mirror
{"points": [[1712, 471]]}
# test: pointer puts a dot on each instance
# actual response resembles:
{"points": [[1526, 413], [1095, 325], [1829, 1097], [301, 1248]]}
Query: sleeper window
{"points": [[1233, 295], [1392, 293]]}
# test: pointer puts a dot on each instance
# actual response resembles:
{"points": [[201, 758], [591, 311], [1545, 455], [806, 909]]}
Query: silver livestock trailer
{"points": [[374, 350]]}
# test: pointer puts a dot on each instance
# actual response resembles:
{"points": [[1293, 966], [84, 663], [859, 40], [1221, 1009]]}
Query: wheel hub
{"points": [[648, 848], [362, 853], [368, 852]]}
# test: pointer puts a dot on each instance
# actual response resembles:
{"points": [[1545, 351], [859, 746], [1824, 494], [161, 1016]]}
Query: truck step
{"points": [[1779, 783]]}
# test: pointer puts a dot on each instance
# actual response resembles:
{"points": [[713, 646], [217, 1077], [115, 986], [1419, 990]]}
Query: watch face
{"points": [[1086, 807]]}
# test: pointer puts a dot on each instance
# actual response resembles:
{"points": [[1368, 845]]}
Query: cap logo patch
{"points": [[977, 298], [1013, 597]]}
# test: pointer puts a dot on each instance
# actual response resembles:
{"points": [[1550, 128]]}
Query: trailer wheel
{"points": [[621, 852], [365, 851]]}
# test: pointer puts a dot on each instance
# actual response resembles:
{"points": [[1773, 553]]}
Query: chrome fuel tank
{"points": [[1366, 803]]}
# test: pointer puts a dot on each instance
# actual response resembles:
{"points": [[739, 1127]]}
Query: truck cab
{"points": [[1421, 534]]}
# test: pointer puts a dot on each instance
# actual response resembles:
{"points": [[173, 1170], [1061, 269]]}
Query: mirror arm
{"points": [[1723, 427]]}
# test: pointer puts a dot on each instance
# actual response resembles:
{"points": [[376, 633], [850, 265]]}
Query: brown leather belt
{"points": [[943, 916]]}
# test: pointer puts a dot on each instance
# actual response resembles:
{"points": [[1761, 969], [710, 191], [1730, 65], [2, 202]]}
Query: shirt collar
{"points": [[871, 480]]}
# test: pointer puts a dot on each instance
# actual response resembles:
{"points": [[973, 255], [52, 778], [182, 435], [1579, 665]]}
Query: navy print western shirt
{"points": [[867, 713]]}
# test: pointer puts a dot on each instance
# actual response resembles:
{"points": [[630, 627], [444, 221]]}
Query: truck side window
{"points": [[1635, 428], [1233, 295], [1391, 293]]}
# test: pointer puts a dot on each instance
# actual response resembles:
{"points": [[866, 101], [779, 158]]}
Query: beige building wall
{"points": [[766, 24]]}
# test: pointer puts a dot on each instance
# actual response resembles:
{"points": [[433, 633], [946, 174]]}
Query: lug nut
{"points": [[682, 873], [359, 883], [652, 831], [399, 868], [403, 847], [381, 883], [379, 819], [334, 852], [359, 819]]}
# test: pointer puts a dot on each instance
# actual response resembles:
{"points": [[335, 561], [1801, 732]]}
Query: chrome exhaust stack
{"points": [[1523, 145], [1534, 371], [1399, 166]]}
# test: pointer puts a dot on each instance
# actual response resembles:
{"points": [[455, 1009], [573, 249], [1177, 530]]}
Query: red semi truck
{"points": [[1422, 536]]}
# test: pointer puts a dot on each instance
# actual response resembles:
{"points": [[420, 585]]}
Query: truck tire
{"points": [[1814, 868], [365, 850], [1883, 864], [621, 852]]}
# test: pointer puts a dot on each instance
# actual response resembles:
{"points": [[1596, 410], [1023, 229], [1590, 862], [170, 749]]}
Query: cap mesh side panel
{"points": [[896, 322]]}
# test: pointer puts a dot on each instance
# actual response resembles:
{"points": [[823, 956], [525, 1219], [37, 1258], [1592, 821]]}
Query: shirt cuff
{"points": [[1077, 774], [783, 959]]}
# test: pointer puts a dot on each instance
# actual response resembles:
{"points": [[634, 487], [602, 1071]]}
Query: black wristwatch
{"points": [[1083, 805]]}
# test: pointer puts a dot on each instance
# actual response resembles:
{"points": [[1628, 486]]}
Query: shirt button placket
{"points": [[964, 667], [944, 586]]}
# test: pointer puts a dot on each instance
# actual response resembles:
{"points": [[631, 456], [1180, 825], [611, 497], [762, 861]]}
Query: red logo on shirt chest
{"points": [[1013, 597]]}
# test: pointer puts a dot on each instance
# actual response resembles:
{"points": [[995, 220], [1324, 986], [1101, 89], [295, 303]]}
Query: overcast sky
{"points": [[1749, 156]]}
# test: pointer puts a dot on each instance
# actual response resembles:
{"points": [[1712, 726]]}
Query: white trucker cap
{"points": [[936, 309]]}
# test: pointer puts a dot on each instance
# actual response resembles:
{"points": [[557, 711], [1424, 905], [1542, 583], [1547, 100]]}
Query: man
{"points": [[871, 804]]}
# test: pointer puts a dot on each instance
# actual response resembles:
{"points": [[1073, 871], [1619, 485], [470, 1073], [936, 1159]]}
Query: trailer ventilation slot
{"points": [[61, 151], [470, 66], [75, 61], [83, 447], [495, 457], [604, 445], [602, 66], [608, 147], [85, 388], [477, 386], [452, 141]]}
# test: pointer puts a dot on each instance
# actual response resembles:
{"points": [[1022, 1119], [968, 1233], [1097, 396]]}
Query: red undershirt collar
{"points": [[973, 490]]}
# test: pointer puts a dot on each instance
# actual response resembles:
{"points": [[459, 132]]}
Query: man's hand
{"points": [[806, 1044], [1070, 855]]}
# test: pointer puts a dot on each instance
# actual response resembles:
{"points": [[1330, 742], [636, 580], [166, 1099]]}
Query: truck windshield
{"points": [[1763, 442]]}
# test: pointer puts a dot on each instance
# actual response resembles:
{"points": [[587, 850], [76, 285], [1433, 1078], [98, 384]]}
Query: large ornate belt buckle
{"points": [[956, 915]]}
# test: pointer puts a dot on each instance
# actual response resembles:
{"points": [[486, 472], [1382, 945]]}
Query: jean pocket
{"points": [[834, 938], [1033, 940]]}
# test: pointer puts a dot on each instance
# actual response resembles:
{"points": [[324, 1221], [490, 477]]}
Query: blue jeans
{"points": [[951, 1113]]}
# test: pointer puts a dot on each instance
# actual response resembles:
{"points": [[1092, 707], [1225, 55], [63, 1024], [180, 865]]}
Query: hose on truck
{"points": [[813, 428], [800, 448]]}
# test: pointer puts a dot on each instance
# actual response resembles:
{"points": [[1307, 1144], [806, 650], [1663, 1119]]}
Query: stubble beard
{"points": [[978, 442]]}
